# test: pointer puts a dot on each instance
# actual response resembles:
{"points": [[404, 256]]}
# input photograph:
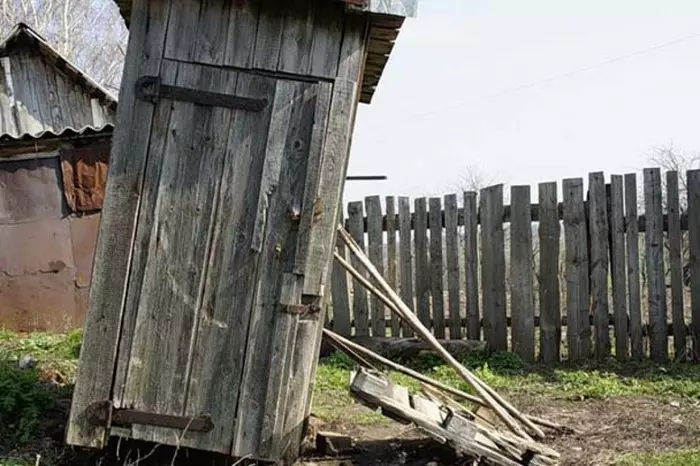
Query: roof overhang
{"points": [[386, 19]]}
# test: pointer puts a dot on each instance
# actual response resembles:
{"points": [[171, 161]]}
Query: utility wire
{"points": [[554, 78]]}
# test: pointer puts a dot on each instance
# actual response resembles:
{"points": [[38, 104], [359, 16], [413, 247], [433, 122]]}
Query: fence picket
{"points": [[452, 251], [675, 262], [618, 266], [598, 234], [436, 267], [340, 292], [406, 269], [521, 274], [633, 283], [421, 261], [578, 327], [693, 181], [471, 261], [360, 296], [375, 239], [493, 268], [392, 278], [658, 346], [550, 306]]}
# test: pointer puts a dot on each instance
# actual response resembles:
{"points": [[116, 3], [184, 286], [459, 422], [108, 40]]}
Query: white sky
{"points": [[456, 93]]}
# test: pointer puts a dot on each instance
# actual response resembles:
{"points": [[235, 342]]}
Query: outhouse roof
{"points": [[387, 17]]}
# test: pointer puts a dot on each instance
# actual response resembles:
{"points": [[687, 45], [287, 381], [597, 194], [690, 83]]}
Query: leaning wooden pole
{"points": [[508, 415]]}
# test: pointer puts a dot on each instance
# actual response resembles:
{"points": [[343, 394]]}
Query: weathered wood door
{"points": [[215, 285]]}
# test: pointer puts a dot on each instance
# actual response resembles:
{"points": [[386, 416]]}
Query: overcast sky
{"points": [[529, 91]]}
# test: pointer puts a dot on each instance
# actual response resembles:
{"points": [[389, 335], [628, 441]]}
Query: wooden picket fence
{"points": [[587, 276]]}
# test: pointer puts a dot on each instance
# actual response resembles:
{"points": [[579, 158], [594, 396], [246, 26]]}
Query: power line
{"points": [[554, 78]]}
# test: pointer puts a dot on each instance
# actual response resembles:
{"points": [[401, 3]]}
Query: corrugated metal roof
{"points": [[66, 132]]}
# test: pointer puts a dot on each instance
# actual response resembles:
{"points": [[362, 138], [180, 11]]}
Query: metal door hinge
{"points": [[103, 413], [151, 89]]}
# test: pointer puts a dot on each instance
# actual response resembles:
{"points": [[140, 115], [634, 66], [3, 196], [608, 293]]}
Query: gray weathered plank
{"points": [[578, 326], [268, 39], [129, 154], [675, 261], [598, 234], [521, 274], [241, 33], [421, 260], [436, 267], [340, 292], [633, 285], [392, 258], [375, 240], [654, 242], [493, 268], [406, 258], [259, 416], [182, 28], [360, 294], [619, 266], [161, 352], [471, 265], [549, 293], [328, 34], [453, 277], [215, 379], [297, 37], [213, 19], [693, 182]]}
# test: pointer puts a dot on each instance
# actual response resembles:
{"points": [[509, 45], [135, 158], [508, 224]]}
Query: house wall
{"points": [[46, 247]]}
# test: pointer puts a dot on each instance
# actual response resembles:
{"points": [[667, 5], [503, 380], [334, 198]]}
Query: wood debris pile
{"points": [[482, 425]]}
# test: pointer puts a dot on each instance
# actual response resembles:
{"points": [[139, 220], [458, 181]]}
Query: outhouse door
{"points": [[217, 243]]}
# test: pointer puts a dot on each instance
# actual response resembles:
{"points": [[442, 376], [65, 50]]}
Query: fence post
{"points": [[340, 292], [493, 270], [578, 326], [693, 180], [550, 306], [676, 265], [391, 229], [619, 283], [522, 296], [633, 284], [360, 296], [471, 263], [405, 248], [421, 261], [436, 267], [375, 240], [598, 228], [654, 241], [452, 250]]}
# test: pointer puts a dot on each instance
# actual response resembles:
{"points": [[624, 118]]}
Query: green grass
{"points": [[677, 458]]}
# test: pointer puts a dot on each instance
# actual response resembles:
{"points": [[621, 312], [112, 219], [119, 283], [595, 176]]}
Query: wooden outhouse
{"points": [[227, 169]]}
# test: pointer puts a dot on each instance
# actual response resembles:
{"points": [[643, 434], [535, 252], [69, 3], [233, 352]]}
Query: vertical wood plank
{"points": [[676, 265], [392, 278], [493, 268], [119, 216], [436, 267], [578, 327], [297, 37], [241, 33], [421, 261], [522, 292], [633, 283], [375, 238], [618, 266], [268, 40], [598, 233], [453, 278], [654, 242], [471, 265], [360, 296], [328, 33], [550, 245], [405, 248], [693, 180], [340, 290]]}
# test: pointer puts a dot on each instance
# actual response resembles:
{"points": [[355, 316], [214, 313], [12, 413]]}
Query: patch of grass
{"points": [[676, 458]]}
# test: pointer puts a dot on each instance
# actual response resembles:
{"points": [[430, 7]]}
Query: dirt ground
{"points": [[605, 431]]}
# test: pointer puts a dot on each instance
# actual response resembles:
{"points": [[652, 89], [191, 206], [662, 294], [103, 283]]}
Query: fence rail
{"points": [[584, 276]]}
